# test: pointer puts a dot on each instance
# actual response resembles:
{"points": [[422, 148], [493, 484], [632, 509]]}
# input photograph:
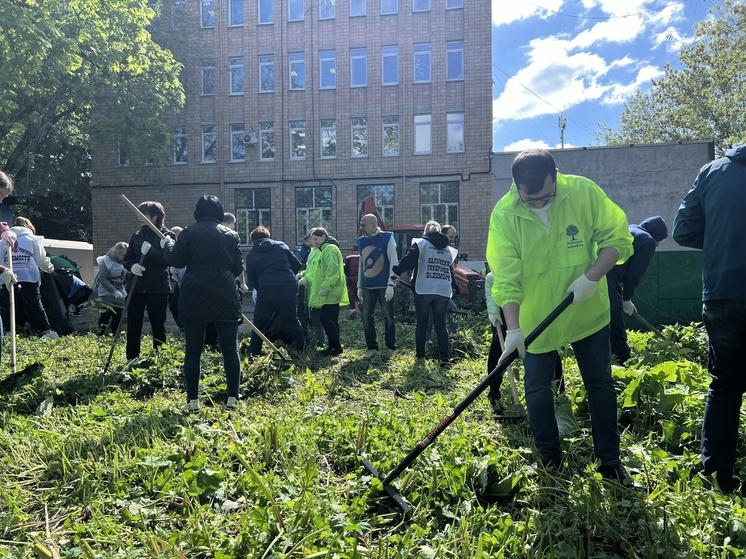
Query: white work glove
{"points": [[8, 277], [244, 289], [302, 281], [299, 275], [359, 294], [629, 307], [165, 241], [118, 295], [582, 288], [389, 293], [9, 237], [145, 247], [495, 319], [323, 292], [138, 269], [514, 339]]}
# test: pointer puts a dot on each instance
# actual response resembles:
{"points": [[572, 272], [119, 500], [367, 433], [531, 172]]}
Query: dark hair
{"points": [[209, 206], [154, 209], [260, 232], [24, 222], [530, 169]]}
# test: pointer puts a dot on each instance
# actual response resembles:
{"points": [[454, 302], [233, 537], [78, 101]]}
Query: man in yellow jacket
{"points": [[549, 236]]}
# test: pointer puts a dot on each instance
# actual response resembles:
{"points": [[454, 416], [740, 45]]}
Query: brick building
{"points": [[296, 111]]}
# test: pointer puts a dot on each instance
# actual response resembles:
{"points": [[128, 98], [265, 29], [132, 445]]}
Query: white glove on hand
{"points": [[244, 289], [514, 340], [137, 269], [302, 281], [629, 307], [389, 293], [118, 295], [359, 294], [145, 247], [495, 319], [8, 277], [165, 241], [9, 237], [582, 288], [323, 292]]}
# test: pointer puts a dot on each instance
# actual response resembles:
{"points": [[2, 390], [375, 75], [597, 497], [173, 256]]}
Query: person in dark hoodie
{"points": [[623, 279], [431, 259], [270, 269], [211, 254]]}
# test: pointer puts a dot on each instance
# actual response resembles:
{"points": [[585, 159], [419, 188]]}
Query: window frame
{"points": [[422, 55], [267, 135], [324, 57], [233, 71], [361, 6], [422, 123], [265, 12], [389, 52], [264, 65], [207, 149], [422, 7], [385, 210], [207, 14], [327, 131], [237, 140], [209, 70], [235, 13], [355, 127], [325, 220], [453, 49], [327, 9], [297, 63], [392, 126], [385, 11], [300, 132], [455, 119], [358, 56], [262, 212], [301, 13], [180, 132], [449, 207]]}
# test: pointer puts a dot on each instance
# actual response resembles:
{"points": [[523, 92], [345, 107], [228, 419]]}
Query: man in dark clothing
{"points": [[270, 269], [711, 218], [623, 279]]}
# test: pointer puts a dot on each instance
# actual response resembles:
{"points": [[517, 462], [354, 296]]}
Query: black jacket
{"points": [[271, 263], [213, 261], [155, 277]]}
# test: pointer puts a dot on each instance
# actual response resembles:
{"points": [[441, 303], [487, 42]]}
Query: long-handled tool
{"points": [[390, 489], [518, 413], [12, 295], [659, 334]]}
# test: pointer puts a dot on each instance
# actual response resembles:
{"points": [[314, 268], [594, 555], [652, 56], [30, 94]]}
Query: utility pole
{"points": [[562, 127]]}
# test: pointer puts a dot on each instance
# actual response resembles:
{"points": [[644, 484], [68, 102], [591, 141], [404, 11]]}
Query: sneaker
{"points": [[390, 353], [618, 473], [50, 335], [371, 353], [231, 403], [192, 406], [331, 351]]}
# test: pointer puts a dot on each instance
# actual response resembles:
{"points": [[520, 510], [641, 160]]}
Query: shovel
{"points": [[388, 486]]}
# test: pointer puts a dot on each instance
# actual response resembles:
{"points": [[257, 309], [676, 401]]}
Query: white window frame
{"points": [[296, 60], [387, 54], [266, 65], [327, 9], [454, 4], [423, 53], [327, 134], [180, 139], [454, 52], [456, 133], [390, 122], [297, 130], [383, 196], [250, 213], [265, 12], [358, 56], [178, 8], [209, 149], [123, 155], [267, 138], [359, 133], [442, 211], [235, 13], [328, 69], [423, 134], [314, 215], [236, 69], [238, 147], [293, 8]]}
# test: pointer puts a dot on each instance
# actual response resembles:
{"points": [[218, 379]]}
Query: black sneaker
{"points": [[618, 473], [331, 351]]}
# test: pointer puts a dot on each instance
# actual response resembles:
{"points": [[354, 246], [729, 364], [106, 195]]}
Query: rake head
{"points": [[390, 490]]}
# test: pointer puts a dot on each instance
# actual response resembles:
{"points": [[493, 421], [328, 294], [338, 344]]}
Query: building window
{"points": [[297, 139], [238, 147], [357, 8], [208, 13], [252, 210], [123, 155], [327, 69], [209, 81], [453, 4], [422, 63], [313, 208], [297, 70], [180, 145], [359, 135], [209, 144], [326, 9], [358, 67], [267, 140], [455, 135], [383, 195], [389, 7], [439, 202], [237, 83], [328, 138], [420, 5], [177, 14], [390, 136], [295, 10], [390, 65], [266, 11], [422, 134], [455, 60], [266, 73], [235, 12]]}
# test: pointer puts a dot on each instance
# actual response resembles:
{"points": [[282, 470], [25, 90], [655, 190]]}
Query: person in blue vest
{"points": [[374, 284], [623, 279]]}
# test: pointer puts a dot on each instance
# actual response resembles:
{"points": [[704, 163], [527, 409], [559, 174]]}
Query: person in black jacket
{"points": [[270, 269], [146, 261], [623, 279], [211, 254]]}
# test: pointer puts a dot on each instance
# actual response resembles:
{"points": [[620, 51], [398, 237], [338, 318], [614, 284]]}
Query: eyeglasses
{"points": [[366, 224], [539, 202]]}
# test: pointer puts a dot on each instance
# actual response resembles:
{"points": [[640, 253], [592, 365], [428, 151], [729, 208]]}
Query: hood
{"points": [[737, 153], [264, 245], [21, 231], [111, 253], [438, 240], [656, 227], [333, 241], [100, 261]]}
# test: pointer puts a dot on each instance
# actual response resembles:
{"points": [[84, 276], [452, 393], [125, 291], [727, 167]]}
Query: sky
{"points": [[577, 62]]}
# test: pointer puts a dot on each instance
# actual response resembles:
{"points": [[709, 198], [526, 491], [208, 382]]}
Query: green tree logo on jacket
{"points": [[571, 231]]}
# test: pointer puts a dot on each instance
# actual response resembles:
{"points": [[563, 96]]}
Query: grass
{"points": [[106, 466]]}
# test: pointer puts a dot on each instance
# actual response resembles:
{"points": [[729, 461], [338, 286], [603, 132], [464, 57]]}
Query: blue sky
{"points": [[578, 58]]}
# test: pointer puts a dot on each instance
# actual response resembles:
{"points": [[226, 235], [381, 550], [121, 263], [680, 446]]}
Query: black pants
{"points": [[156, 304], [330, 323]]}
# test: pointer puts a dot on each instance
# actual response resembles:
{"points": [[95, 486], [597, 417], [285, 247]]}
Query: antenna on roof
{"points": [[562, 126]]}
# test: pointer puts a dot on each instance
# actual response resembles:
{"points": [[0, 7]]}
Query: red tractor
{"points": [[470, 283]]}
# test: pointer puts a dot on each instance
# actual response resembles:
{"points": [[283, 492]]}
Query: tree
{"points": [[704, 99], [78, 74]]}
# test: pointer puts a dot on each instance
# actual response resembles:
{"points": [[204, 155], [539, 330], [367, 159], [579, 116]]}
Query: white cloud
{"points": [[620, 93], [505, 11], [527, 143]]}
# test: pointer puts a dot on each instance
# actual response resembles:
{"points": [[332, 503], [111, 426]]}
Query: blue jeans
{"points": [[594, 360], [194, 341], [450, 321], [725, 321], [438, 306], [283, 301], [370, 298]]}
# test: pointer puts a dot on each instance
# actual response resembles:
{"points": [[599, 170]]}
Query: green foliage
{"points": [[106, 466]]}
